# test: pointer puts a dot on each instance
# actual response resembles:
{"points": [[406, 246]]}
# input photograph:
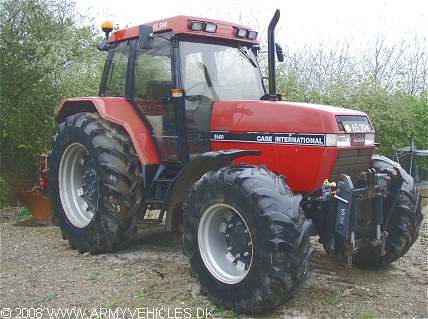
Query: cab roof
{"points": [[181, 25]]}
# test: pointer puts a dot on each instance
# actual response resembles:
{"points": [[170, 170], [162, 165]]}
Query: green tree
{"points": [[48, 53]]}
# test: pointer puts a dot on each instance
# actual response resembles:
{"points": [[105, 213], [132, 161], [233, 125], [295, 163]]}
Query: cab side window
{"points": [[117, 66]]}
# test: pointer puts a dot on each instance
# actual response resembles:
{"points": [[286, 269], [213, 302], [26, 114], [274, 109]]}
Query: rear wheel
{"points": [[405, 221], [95, 183], [246, 238]]}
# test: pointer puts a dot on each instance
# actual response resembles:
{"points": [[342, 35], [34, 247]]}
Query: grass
{"points": [[423, 235], [330, 296], [226, 313], [94, 276], [115, 304], [23, 214], [319, 294], [142, 295], [152, 214], [232, 314], [334, 302], [127, 274], [367, 314], [50, 296]]}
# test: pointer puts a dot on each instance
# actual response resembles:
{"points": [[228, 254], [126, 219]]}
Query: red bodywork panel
{"points": [[306, 164], [118, 110], [180, 25]]}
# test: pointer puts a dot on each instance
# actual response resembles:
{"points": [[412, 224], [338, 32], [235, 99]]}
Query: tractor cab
{"points": [[173, 72]]}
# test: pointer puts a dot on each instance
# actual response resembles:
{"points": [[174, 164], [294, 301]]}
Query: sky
{"points": [[301, 20]]}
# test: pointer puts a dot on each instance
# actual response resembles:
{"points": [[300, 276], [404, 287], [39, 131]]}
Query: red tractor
{"points": [[181, 105]]}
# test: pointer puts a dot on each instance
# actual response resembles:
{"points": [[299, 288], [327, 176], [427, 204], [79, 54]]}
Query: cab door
{"points": [[151, 83]]}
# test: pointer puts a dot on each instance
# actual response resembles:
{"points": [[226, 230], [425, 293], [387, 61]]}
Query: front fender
{"points": [[192, 172]]}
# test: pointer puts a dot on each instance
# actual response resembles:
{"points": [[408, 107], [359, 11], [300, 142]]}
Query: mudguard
{"points": [[192, 172], [119, 111]]}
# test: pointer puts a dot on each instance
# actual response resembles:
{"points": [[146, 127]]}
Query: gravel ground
{"points": [[41, 276]]}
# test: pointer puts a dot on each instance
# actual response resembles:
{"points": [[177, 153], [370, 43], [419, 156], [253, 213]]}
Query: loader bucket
{"points": [[40, 208]]}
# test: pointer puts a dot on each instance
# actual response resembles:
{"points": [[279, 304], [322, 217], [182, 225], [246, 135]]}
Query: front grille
{"points": [[351, 162]]}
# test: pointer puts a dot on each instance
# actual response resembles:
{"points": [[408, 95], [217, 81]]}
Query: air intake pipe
{"points": [[271, 56]]}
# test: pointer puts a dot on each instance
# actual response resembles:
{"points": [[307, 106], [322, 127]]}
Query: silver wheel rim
{"points": [[78, 201], [225, 243]]}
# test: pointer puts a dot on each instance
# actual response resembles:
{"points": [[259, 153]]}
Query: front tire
{"points": [[95, 183], [246, 238]]}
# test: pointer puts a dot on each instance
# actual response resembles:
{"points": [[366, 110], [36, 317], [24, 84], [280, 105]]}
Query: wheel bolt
{"points": [[246, 254], [238, 256], [238, 224], [226, 236], [229, 248], [230, 226]]}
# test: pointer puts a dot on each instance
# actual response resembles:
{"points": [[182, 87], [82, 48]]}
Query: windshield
{"points": [[220, 72]]}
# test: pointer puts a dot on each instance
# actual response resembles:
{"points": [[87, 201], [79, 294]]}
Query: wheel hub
{"points": [[225, 243], [238, 240], [89, 184]]}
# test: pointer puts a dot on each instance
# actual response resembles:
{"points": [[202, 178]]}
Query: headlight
{"points": [[338, 140], [347, 140], [370, 139]]}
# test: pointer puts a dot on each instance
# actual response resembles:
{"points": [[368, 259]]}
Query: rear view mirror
{"points": [[146, 37], [279, 53]]}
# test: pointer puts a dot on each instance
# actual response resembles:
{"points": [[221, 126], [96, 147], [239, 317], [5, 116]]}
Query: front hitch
{"points": [[335, 212]]}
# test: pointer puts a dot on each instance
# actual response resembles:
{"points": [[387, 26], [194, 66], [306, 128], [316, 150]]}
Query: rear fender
{"points": [[116, 110], [192, 172]]}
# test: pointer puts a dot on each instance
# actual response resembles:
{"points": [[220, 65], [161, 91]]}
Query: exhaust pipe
{"points": [[271, 56]]}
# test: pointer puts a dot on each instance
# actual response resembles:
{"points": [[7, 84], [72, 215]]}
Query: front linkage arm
{"points": [[335, 212]]}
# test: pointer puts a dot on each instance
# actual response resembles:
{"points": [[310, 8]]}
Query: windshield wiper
{"points": [[245, 54]]}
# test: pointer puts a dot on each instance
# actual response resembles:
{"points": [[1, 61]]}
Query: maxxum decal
{"points": [[270, 138]]}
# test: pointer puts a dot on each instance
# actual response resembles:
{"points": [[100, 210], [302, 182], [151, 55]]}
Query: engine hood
{"points": [[277, 117]]}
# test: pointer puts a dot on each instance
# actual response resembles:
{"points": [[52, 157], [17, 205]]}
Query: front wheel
{"points": [[95, 183], [246, 238]]}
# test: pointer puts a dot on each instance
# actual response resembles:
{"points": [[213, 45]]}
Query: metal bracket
{"points": [[341, 230]]}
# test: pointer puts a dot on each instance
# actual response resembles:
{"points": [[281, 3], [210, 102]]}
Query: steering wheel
{"points": [[196, 97], [204, 83]]}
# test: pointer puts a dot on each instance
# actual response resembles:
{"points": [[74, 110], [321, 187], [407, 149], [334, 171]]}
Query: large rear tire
{"points": [[95, 183], [246, 238], [405, 221]]}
